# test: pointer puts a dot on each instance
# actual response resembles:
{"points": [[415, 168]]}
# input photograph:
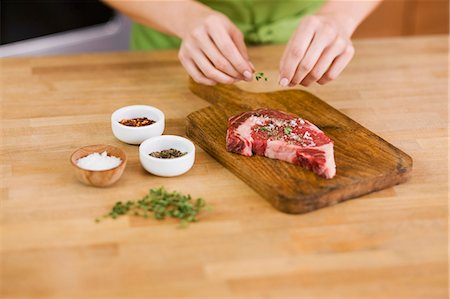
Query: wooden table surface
{"points": [[389, 244]]}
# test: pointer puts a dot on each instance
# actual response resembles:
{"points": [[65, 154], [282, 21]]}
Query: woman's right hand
{"points": [[213, 51]]}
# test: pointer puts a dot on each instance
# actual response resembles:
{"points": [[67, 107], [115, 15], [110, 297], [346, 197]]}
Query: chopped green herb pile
{"points": [[161, 204], [260, 76]]}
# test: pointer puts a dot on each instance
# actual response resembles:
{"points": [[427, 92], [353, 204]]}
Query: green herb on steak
{"points": [[287, 130]]}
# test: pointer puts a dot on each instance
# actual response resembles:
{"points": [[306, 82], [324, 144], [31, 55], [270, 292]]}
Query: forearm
{"points": [[171, 17], [349, 13]]}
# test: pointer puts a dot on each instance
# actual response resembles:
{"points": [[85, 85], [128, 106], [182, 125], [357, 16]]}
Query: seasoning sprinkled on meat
{"points": [[282, 136]]}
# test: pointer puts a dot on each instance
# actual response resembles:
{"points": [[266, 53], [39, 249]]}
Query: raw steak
{"points": [[283, 136]]}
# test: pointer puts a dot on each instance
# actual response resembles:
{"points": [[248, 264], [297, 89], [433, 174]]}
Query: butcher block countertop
{"points": [[388, 244]]}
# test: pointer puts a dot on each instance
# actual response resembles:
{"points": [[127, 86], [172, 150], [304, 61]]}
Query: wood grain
{"points": [[364, 161], [388, 244]]}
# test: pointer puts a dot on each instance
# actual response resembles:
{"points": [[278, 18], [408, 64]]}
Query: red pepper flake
{"points": [[137, 122]]}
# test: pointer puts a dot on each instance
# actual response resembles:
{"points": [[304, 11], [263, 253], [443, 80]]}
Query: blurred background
{"points": [[59, 27]]}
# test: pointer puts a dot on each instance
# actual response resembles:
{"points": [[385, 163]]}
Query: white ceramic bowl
{"points": [[136, 135], [167, 167]]}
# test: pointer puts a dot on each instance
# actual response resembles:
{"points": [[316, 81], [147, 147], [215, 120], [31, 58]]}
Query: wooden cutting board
{"points": [[364, 161]]}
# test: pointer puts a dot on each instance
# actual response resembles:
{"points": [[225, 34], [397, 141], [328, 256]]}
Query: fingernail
{"points": [[284, 82], [248, 75]]}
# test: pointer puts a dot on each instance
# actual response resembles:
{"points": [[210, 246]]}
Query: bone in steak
{"points": [[283, 136]]}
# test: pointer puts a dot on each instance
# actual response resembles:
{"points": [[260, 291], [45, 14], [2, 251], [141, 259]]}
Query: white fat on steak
{"points": [[244, 131]]}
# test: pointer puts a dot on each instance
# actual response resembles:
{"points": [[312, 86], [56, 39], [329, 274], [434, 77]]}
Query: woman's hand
{"points": [[317, 52], [213, 51]]}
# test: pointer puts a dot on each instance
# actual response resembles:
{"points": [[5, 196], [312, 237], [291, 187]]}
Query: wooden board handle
{"points": [[221, 94], [215, 94]]}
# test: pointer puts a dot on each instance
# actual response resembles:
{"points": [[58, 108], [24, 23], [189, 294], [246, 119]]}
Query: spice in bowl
{"points": [[168, 154], [137, 122], [97, 161]]}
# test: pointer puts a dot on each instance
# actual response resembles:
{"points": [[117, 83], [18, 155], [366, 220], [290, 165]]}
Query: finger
{"points": [[238, 38], [325, 61], [207, 46], [194, 72], [227, 47], [315, 50], [207, 68], [338, 65], [251, 64], [294, 52]]}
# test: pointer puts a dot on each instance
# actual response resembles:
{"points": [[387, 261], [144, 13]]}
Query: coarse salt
{"points": [[279, 122], [97, 161]]}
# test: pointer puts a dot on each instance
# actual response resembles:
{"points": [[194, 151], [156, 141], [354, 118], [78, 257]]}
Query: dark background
{"points": [[24, 19], [21, 20]]}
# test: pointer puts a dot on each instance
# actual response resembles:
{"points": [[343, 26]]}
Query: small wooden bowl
{"points": [[99, 178]]}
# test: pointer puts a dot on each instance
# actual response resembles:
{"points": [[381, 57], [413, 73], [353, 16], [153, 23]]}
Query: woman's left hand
{"points": [[317, 52]]}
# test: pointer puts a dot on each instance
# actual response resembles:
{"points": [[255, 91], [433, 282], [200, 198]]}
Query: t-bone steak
{"points": [[283, 136]]}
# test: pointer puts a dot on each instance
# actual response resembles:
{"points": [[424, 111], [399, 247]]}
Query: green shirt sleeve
{"points": [[261, 22]]}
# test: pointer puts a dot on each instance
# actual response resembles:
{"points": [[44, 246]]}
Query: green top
{"points": [[261, 22]]}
